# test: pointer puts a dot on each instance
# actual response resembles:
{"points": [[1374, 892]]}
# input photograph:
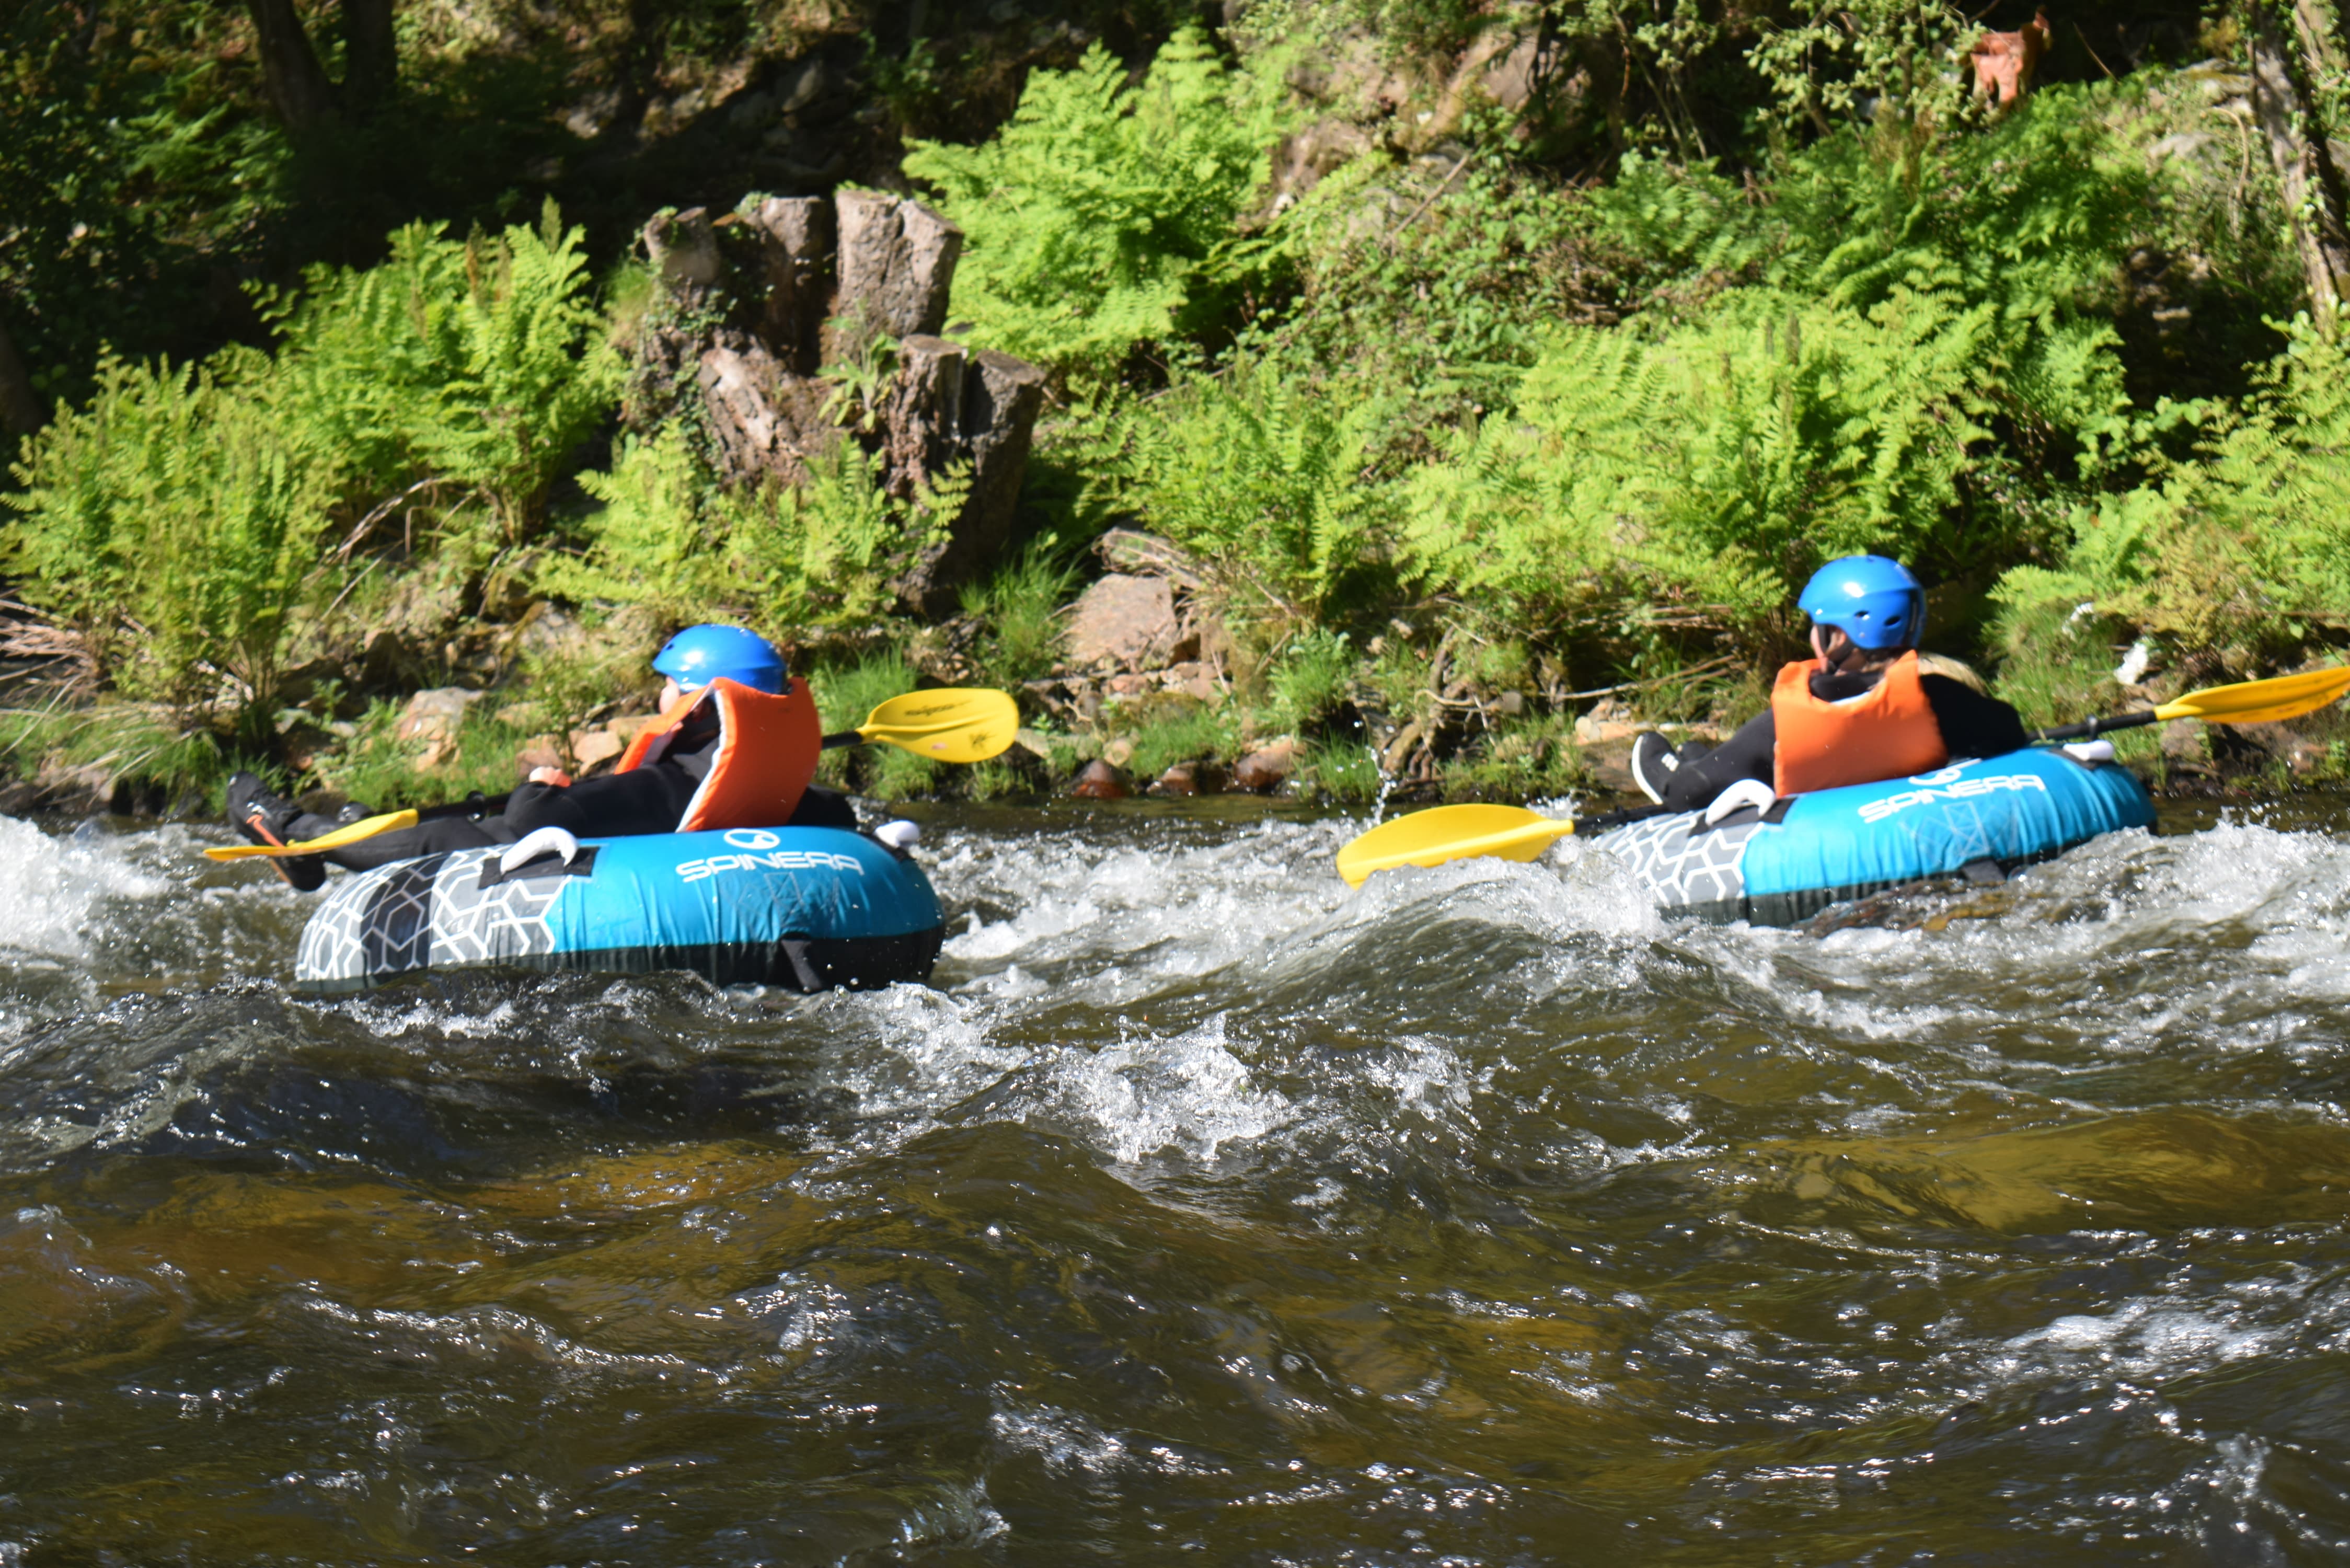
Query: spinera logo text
{"points": [[779, 860], [1965, 789]]}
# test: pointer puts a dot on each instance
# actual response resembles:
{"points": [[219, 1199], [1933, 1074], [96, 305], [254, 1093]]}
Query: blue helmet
{"points": [[701, 654], [1871, 599]]}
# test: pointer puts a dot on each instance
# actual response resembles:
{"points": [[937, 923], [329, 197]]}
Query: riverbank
{"points": [[1315, 401]]}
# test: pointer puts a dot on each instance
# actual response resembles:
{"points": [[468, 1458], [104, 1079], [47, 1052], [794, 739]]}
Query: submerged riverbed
{"points": [[1205, 1207]]}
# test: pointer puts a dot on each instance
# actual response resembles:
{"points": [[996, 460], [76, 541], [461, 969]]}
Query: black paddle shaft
{"points": [[2090, 729]]}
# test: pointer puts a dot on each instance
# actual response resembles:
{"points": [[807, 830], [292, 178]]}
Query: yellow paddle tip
{"points": [[1445, 833]]}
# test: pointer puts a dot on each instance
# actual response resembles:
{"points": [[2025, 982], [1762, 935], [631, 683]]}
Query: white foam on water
{"points": [[1124, 921], [52, 890], [1141, 1096], [1066, 1441], [2141, 1339]]}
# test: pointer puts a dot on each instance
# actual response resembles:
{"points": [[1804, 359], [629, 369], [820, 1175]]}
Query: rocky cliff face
{"points": [[756, 303]]}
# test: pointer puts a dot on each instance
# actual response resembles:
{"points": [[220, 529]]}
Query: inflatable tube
{"points": [[1809, 851], [809, 908]]}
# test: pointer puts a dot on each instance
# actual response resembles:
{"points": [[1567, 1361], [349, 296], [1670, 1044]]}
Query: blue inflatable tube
{"points": [[1809, 851], [809, 908]]}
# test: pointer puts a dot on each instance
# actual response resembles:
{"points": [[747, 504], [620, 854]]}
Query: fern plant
{"points": [[175, 521], [782, 557], [1102, 216], [1273, 479], [1719, 462], [483, 361]]}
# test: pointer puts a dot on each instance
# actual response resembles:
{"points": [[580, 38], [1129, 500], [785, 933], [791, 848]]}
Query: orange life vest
{"points": [[1885, 733], [766, 756]]}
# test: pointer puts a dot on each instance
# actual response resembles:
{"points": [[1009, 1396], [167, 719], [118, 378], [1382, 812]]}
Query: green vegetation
{"points": [[1461, 392]]}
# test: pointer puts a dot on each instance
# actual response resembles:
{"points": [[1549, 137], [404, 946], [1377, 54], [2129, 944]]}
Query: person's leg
{"points": [[437, 836], [1747, 755]]}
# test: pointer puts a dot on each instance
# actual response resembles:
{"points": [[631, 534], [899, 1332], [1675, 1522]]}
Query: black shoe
{"points": [[1654, 762], [265, 818]]}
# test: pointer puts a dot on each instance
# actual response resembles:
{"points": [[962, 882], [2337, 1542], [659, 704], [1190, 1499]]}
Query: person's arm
{"points": [[650, 799], [1972, 724]]}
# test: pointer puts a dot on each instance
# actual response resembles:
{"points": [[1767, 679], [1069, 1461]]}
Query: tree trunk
{"points": [[370, 57], [298, 87], [20, 406], [2304, 165]]}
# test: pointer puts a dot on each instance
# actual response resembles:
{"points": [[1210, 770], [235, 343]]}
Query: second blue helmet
{"points": [[1871, 599], [701, 654]]}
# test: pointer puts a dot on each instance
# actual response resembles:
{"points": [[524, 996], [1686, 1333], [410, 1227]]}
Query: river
{"points": [[1205, 1211]]}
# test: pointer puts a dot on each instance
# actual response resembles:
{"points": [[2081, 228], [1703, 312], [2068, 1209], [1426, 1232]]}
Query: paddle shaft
{"points": [[2089, 729]]}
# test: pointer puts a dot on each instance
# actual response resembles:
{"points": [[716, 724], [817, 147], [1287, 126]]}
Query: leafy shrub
{"points": [[1313, 677], [1171, 732], [483, 361], [378, 768], [1017, 611], [1716, 465], [778, 557], [1533, 757], [1270, 480], [1102, 216], [175, 521], [2244, 547]]}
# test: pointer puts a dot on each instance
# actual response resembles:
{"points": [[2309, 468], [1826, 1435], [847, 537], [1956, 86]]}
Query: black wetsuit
{"points": [[1973, 725], [648, 799]]}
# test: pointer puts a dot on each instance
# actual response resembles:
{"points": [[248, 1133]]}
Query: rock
{"points": [[1102, 780], [1609, 723], [592, 747], [2183, 742], [1302, 158], [1123, 621], [1142, 555], [1196, 680], [1001, 398], [1033, 743], [684, 248], [1118, 751], [796, 250], [629, 727], [1188, 779], [435, 715], [762, 299], [539, 752], [895, 264], [1267, 768], [767, 420]]}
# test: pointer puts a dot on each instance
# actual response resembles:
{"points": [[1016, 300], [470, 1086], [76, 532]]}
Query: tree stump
{"points": [[753, 304]]}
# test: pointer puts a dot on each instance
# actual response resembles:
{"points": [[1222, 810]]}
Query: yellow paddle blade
{"points": [[1445, 833], [2263, 702], [366, 827], [949, 725]]}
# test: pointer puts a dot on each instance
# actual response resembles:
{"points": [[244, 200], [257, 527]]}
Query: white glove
{"points": [[2090, 750], [899, 834], [1737, 797]]}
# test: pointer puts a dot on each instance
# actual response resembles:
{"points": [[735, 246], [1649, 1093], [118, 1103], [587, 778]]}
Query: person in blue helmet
{"points": [[735, 746], [1868, 706]]}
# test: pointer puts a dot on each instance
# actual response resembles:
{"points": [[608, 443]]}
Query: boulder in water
{"points": [[1100, 781]]}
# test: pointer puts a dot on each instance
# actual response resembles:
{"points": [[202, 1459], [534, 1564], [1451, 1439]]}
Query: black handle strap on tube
{"points": [[2090, 729]]}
